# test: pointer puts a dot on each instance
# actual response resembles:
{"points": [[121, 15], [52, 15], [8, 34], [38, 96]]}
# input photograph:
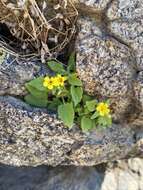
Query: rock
{"points": [[125, 175], [131, 33], [138, 88], [125, 22], [31, 137], [93, 4], [127, 10], [122, 175], [109, 62], [105, 65], [43, 178], [14, 74]]}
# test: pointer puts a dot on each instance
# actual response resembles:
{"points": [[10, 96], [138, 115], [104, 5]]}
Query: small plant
{"points": [[63, 92]]}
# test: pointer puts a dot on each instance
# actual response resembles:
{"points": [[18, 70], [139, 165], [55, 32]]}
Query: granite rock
{"points": [[93, 5], [127, 10], [50, 178], [109, 62], [125, 22], [31, 137], [138, 88], [15, 73], [131, 33], [120, 175], [105, 65], [124, 175], [110, 56]]}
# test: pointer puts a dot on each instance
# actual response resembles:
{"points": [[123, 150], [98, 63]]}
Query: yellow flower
{"points": [[48, 83], [103, 109], [59, 80]]}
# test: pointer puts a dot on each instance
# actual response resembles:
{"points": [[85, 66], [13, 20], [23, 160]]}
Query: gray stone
{"points": [[105, 65], [129, 9], [47, 178], [138, 89], [93, 4], [124, 175], [131, 33], [109, 62], [15, 73], [31, 136], [125, 22]]}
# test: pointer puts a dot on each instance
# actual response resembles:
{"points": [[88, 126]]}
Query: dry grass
{"points": [[41, 27]]}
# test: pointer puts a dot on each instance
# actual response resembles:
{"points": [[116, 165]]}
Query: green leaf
{"points": [[36, 93], [36, 84], [105, 121], [86, 124], [76, 93], [74, 80], [66, 114], [86, 98], [36, 101], [86, 111], [56, 67], [71, 63], [54, 104], [62, 93], [95, 115], [108, 120], [91, 105]]}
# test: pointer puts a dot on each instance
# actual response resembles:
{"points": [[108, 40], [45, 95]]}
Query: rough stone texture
{"points": [[138, 88], [121, 175], [131, 32], [129, 9], [124, 175], [105, 65], [110, 56], [47, 178], [14, 74], [126, 20], [30, 136], [103, 60], [93, 4], [109, 61]]}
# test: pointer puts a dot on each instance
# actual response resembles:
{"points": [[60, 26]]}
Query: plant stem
{"points": [[63, 100]]}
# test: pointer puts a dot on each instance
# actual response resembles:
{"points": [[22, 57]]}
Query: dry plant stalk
{"points": [[40, 27]]}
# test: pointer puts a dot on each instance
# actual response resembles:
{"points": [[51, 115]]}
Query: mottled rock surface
{"points": [[124, 175], [109, 62], [121, 175], [47, 178], [110, 55], [105, 66], [14, 74], [31, 136], [93, 5]]}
